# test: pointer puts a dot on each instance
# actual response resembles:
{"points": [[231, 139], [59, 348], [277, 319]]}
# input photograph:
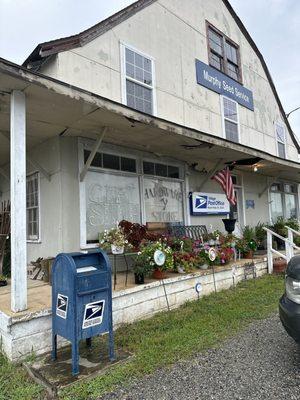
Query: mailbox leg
{"points": [[111, 345], [54, 347], [75, 357]]}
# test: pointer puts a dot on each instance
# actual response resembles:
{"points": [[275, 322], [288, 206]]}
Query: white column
{"points": [[18, 201]]}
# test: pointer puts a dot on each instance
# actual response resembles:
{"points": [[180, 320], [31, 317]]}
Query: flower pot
{"points": [[204, 266], [229, 224], [3, 283], [117, 249], [159, 274], [180, 270], [280, 243], [279, 265], [139, 279], [248, 255]]}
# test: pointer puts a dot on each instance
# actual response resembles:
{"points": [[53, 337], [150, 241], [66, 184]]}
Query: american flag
{"points": [[224, 178]]}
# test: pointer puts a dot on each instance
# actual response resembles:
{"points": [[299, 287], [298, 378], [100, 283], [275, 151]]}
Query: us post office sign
{"points": [[208, 204]]}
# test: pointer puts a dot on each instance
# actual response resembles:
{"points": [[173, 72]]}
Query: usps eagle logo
{"points": [[200, 202]]}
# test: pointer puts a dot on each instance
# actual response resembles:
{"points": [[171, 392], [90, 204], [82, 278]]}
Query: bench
{"points": [[195, 232]]}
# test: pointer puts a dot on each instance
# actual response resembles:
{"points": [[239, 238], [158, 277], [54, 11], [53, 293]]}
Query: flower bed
{"points": [[182, 255]]}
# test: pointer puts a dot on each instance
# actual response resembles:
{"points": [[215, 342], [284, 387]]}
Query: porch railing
{"points": [[289, 246]]}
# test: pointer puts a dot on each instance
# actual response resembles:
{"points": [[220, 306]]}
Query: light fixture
{"points": [[255, 169]]}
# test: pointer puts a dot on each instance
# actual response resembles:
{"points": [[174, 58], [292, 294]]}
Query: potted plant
{"points": [[115, 239], [141, 269], [246, 248], [280, 229], [261, 236], [146, 257], [3, 280], [184, 262], [135, 233]]}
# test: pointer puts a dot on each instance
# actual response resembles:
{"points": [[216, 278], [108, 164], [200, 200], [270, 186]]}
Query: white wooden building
{"points": [[162, 94]]}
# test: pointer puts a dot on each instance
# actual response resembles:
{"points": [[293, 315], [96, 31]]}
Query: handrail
{"points": [[275, 234], [289, 246], [291, 233]]}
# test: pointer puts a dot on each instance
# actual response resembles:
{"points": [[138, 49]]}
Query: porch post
{"points": [[18, 201]]}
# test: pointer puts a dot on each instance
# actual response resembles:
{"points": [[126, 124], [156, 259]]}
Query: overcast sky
{"points": [[273, 24]]}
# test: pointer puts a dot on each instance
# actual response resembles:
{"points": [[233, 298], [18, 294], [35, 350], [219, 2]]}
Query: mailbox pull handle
{"points": [[93, 291]]}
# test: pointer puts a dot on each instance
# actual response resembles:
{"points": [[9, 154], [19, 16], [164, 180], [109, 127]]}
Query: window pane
{"points": [[281, 150], [215, 41], [233, 71], [231, 130], [280, 133], [216, 61], [139, 74], [147, 65], [129, 55], [32, 205], [275, 187], [148, 168], [161, 170], [128, 164], [139, 97], [290, 204], [110, 161], [130, 70], [230, 109], [276, 206], [173, 172], [138, 60], [147, 78], [231, 53]]}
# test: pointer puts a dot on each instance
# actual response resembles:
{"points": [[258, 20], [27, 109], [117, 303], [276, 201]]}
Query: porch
{"points": [[29, 331]]}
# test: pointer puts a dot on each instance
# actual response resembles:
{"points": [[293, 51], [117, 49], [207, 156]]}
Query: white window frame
{"points": [[282, 192], [85, 144], [36, 239], [228, 119], [281, 125], [123, 47]]}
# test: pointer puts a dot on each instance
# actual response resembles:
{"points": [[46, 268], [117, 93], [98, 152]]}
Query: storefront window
{"points": [[110, 199], [276, 206], [118, 187], [283, 201], [163, 200]]}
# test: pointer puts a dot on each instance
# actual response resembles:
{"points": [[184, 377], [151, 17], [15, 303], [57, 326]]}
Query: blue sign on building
{"points": [[208, 203], [222, 84]]}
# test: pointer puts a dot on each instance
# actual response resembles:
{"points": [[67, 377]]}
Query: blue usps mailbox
{"points": [[81, 300]]}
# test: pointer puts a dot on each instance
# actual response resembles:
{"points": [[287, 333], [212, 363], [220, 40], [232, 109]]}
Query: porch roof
{"points": [[55, 108]]}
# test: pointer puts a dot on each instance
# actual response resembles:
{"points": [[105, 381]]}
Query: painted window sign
{"points": [[222, 84], [163, 200], [208, 203]]}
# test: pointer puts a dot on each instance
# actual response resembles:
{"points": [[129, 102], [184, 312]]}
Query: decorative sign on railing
{"points": [[222, 84]]}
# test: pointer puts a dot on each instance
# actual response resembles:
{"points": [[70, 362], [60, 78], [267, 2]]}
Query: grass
{"points": [[165, 338], [15, 384], [196, 326]]}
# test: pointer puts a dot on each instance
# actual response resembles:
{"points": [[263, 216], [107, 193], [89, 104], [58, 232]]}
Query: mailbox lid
{"points": [[92, 281]]}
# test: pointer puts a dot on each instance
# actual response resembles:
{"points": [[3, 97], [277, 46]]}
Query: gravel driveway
{"points": [[261, 363]]}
